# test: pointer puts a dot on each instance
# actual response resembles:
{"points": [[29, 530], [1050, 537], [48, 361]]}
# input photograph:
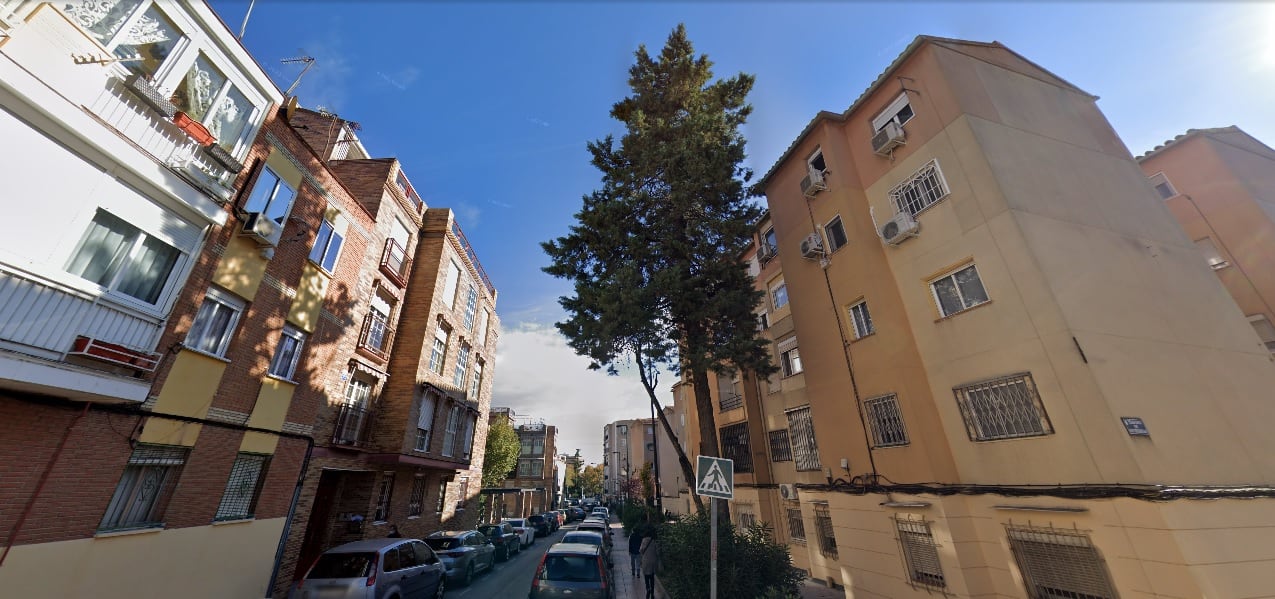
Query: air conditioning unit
{"points": [[812, 184], [765, 252], [901, 227], [260, 228], [788, 492], [812, 246], [887, 139]]}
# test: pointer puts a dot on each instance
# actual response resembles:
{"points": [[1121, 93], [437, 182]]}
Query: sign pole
{"points": [[712, 563]]}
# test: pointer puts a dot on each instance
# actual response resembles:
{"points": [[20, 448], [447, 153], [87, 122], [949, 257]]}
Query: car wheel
{"points": [[469, 574]]}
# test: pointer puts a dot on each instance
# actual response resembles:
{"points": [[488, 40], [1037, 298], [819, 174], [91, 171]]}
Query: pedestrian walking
{"points": [[650, 551], [635, 551]]}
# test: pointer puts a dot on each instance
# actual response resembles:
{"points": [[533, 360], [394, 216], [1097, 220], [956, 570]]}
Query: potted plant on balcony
{"points": [[195, 129], [145, 91], [223, 158]]}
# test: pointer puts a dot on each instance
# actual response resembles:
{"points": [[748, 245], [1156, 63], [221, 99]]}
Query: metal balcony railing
{"points": [[376, 336], [730, 401], [394, 262], [353, 426]]}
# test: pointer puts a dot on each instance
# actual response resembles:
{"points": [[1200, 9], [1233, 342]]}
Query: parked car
{"points": [[551, 520], [504, 537], [598, 526], [464, 552], [374, 568], [576, 514], [602, 513], [541, 524], [589, 537], [574, 570], [525, 530]]}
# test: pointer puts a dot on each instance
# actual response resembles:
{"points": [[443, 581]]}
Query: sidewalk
{"points": [[626, 586]]}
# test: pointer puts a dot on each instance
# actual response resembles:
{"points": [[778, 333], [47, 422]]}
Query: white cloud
{"points": [[539, 375]]}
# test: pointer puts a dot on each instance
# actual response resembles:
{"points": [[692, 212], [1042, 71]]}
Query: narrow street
{"points": [[511, 578]]}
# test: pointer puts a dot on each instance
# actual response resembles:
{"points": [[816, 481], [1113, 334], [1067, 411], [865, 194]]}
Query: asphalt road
{"points": [[508, 579]]}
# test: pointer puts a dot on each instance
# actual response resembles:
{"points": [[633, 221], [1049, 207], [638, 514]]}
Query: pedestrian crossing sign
{"points": [[715, 477]]}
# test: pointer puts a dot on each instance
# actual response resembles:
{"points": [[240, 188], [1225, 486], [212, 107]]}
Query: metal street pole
{"points": [[712, 560]]}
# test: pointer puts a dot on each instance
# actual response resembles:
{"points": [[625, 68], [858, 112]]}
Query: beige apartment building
{"points": [[1019, 378], [627, 445], [1220, 185]]}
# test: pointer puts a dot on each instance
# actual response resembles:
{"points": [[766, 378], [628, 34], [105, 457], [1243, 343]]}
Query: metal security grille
{"points": [[383, 498], [145, 487], [823, 522], [886, 421], [1003, 408], [780, 448], [735, 446], [925, 187], [796, 526], [1060, 564], [920, 555], [247, 477], [802, 433], [416, 500]]}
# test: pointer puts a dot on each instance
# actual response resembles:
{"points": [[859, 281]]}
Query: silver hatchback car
{"points": [[572, 571], [374, 569]]}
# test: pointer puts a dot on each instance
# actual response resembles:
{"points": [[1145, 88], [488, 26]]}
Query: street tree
{"points": [[502, 453], [591, 480], [654, 256]]}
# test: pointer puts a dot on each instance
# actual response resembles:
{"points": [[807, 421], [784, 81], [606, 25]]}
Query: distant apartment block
{"points": [[532, 486], [627, 445]]}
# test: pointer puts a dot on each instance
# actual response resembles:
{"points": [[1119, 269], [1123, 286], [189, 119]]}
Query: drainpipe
{"points": [[292, 512]]}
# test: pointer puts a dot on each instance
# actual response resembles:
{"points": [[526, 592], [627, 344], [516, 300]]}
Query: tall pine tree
{"points": [[654, 256]]}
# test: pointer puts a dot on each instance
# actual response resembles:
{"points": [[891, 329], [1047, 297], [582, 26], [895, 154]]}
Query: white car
{"points": [[601, 513], [526, 531]]}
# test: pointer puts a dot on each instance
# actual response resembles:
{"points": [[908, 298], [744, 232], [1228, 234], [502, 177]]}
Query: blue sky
{"points": [[489, 106]]}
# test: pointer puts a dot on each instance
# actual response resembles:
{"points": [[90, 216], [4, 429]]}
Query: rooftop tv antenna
{"points": [[309, 62]]}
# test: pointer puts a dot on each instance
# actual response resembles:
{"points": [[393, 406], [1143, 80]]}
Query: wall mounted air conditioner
{"points": [[899, 228], [812, 246], [788, 492], [887, 139], [260, 228], [765, 252], [813, 183]]}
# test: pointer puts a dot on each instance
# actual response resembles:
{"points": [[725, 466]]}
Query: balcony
{"points": [[376, 337], [353, 426], [730, 400], [394, 263]]}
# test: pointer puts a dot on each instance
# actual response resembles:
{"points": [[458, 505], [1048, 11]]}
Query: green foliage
{"points": [[591, 480], [502, 453], [749, 564], [636, 514], [648, 482]]}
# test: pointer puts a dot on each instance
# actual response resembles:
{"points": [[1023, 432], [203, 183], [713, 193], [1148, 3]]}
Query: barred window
{"points": [[861, 320], [383, 498], [1003, 408], [144, 489], [886, 420], [442, 496], [1060, 564], [416, 500], [780, 448], [920, 555], [745, 516], [827, 539], [802, 433], [735, 446], [920, 191], [247, 477], [796, 526]]}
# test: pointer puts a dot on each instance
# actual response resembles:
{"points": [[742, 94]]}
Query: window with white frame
{"points": [[462, 366], [271, 196], [142, 494], [471, 306], [358, 392], [480, 337], [442, 496], [899, 111], [476, 381], [1162, 186], [778, 294], [1265, 330], [449, 433], [534, 468], [1213, 257], [816, 162], [921, 190], [770, 241], [288, 353], [789, 357], [416, 500], [801, 433], [207, 96], [451, 283], [140, 35], [438, 352], [247, 477], [327, 246], [958, 291], [886, 421], [215, 322], [1060, 564], [861, 320], [425, 420], [763, 320], [385, 492], [920, 554], [123, 259], [835, 233], [1007, 407]]}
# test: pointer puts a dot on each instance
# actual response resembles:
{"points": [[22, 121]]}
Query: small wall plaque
{"points": [[1135, 426]]}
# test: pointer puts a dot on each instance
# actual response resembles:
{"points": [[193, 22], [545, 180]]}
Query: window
{"points": [[476, 382], [144, 489], [899, 111], [383, 495], [471, 306], [357, 392], [247, 477], [451, 283], [763, 321], [801, 431], [827, 538], [770, 243], [533, 446], [288, 354], [449, 433], [438, 353], [1162, 186], [958, 291], [796, 526], [886, 421], [327, 247], [745, 516], [215, 323], [122, 259], [1060, 564], [920, 191], [376, 331], [920, 555], [416, 500], [780, 448], [141, 38], [789, 357], [481, 336], [735, 446], [861, 320], [462, 495], [779, 294], [1003, 408], [1265, 331], [1211, 255], [816, 162], [467, 440], [442, 496], [425, 421], [835, 232], [207, 96], [271, 196], [462, 367], [531, 468]]}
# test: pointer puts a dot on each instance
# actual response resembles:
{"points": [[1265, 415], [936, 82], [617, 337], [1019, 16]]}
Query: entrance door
{"points": [[316, 528]]}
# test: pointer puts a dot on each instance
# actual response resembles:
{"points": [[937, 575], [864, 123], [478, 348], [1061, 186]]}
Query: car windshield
{"points": [[571, 568], [517, 523], [491, 531], [343, 565], [537, 519], [578, 538], [442, 544]]}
